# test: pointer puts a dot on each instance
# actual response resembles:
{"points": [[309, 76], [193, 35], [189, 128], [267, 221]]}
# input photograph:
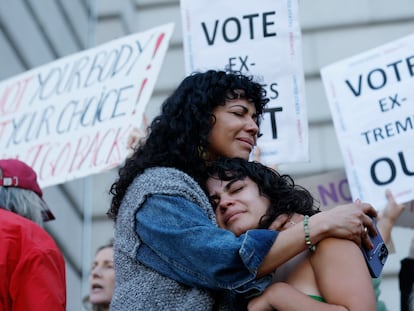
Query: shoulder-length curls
{"points": [[178, 136]]}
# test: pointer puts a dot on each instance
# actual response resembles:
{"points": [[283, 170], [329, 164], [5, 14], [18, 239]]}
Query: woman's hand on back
{"points": [[350, 221], [344, 221]]}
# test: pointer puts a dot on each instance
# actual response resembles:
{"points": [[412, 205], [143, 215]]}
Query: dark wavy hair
{"points": [[178, 136], [285, 196]]}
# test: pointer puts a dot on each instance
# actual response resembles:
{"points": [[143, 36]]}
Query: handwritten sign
{"points": [[261, 39], [72, 117], [371, 97]]}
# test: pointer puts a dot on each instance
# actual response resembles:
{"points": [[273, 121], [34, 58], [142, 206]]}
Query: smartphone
{"points": [[377, 256]]}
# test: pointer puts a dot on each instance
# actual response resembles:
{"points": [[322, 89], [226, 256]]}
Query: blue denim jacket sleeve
{"points": [[179, 241]]}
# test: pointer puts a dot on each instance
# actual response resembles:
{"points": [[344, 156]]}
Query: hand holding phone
{"points": [[377, 256]]}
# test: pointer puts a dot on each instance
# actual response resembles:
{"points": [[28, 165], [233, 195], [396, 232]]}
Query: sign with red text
{"points": [[72, 117], [260, 39], [371, 97], [331, 189]]}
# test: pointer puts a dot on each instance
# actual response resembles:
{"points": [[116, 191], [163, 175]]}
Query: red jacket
{"points": [[32, 269]]}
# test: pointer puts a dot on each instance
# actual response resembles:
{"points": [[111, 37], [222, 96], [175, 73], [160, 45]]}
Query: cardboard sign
{"points": [[260, 39], [72, 117], [371, 97]]}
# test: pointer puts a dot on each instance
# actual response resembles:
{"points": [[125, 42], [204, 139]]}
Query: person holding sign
{"points": [[248, 195], [169, 253]]}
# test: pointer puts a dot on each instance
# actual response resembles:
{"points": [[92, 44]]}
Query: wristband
{"points": [[308, 242]]}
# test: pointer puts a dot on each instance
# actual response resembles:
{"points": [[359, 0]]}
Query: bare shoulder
{"points": [[338, 254], [333, 245], [342, 274]]}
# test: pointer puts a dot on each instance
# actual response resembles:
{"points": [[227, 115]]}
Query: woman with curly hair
{"points": [[169, 253], [248, 195]]}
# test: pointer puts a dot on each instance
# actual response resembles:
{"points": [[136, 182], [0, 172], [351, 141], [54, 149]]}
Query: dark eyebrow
{"points": [[227, 187], [239, 106], [108, 261]]}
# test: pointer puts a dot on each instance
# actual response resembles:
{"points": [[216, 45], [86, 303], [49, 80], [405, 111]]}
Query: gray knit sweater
{"points": [[138, 287]]}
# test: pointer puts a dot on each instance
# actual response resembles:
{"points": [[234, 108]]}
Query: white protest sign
{"points": [[331, 189], [261, 39], [371, 97], [72, 117]]}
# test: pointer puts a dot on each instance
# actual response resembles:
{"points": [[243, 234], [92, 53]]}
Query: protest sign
{"points": [[72, 117], [331, 189], [261, 39], [372, 103]]}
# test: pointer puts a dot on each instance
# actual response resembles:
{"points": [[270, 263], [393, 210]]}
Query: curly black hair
{"points": [[285, 196], [178, 136]]}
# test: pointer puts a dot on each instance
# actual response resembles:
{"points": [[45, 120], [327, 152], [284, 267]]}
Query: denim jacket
{"points": [[169, 253], [180, 242]]}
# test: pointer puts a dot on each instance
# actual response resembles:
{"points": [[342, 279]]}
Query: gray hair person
{"points": [[33, 268], [20, 192]]}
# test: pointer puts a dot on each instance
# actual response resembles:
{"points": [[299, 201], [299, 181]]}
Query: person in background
{"points": [[385, 222], [101, 279], [165, 228], [406, 279], [32, 268], [411, 296], [388, 217], [411, 301], [249, 195], [136, 134]]}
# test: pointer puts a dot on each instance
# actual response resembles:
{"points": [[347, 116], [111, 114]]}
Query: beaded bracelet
{"points": [[308, 242]]}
